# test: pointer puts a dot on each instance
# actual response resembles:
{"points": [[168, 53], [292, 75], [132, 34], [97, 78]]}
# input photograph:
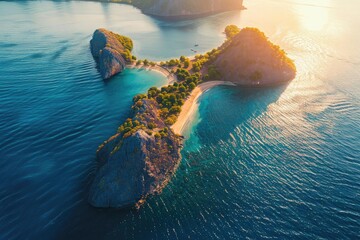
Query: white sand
{"points": [[170, 76], [190, 104]]}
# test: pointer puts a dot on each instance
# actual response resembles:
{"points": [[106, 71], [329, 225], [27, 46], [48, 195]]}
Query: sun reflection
{"points": [[314, 17]]}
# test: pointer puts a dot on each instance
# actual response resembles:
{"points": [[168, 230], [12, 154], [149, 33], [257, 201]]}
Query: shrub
{"points": [[151, 125], [192, 86], [231, 31], [170, 120], [138, 105], [139, 97], [164, 112], [182, 88], [175, 110], [186, 63], [182, 74]]}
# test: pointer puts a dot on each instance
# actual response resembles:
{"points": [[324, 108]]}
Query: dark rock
{"points": [[133, 167], [249, 58], [186, 8], [108, 51]]}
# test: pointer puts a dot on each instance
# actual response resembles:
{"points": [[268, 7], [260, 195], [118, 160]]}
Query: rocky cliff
{"points": [[249, 58], [111, 51], [137, 161], [186, 8]]}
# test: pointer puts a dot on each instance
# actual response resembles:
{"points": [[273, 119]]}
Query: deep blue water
{"points": [[277, 163]]}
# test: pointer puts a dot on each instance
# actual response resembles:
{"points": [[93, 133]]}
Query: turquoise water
{"points": [[258, 163]]}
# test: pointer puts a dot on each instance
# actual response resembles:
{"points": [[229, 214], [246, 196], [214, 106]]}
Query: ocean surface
{"points": [[275, 163]]}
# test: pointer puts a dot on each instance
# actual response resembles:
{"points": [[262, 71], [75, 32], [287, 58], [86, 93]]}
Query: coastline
{"points": [[190, 104], [170, 76], [189, 16]]}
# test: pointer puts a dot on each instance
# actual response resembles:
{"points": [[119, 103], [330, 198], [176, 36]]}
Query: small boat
{"points": [[196, 45]]}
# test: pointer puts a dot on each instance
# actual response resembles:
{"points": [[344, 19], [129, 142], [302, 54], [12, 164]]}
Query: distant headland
{"points": [[141, 157], [182, 9]]}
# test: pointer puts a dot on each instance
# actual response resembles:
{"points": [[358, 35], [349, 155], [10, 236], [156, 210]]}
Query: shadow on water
{"points": [[228, 107], [106, 223], [88, 222], [189, 24]]}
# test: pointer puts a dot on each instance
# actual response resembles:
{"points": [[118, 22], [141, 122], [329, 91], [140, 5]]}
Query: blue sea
{"points": [[274, 163]]}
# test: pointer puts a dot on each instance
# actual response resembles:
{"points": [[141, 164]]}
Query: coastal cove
{"points": [[141, 157], [280, 162]]}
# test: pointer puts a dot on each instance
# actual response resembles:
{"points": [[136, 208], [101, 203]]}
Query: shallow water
{"points": [[258, 163]]}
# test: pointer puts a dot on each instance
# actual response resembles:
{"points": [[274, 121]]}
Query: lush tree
{"points": [[192, 86], [151, 125], [182, 58], [175, 110], [139, 97], [170, 120], [186, 63], [231, 31], [182, 88], [182, 74]]}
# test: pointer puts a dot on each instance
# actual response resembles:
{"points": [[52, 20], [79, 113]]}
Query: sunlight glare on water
{"points": [[278, 163]]}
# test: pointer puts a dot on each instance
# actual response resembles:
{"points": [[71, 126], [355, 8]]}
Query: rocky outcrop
{"points": [[186, 8], [136, 163], [110, 53], [249, 58]]}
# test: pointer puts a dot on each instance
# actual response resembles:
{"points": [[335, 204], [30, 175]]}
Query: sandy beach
{"points": [[190, 104], [170, 76]]}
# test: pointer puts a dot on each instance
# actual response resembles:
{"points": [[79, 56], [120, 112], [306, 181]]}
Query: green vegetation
{"points": [[128, 45], [169, 100], [231, 31], [257, 50], [182, 74], [125, 41], [129, 127]]}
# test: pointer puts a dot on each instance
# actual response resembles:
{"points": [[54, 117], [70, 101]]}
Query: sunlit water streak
{"points": [[258, 163]]}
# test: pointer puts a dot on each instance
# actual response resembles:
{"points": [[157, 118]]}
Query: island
{"points": [[183, 9], [111, 51], [142, 156]]}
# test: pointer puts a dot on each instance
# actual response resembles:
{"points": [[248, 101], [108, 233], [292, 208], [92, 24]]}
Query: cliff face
{"points": [[186, 8], [249, 58], [109, 52], [135, 165]]}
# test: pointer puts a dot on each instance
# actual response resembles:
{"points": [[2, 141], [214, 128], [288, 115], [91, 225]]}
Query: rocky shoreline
{"points": [[137, 161], [111, 51], [140, 159], [181, 9]]}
